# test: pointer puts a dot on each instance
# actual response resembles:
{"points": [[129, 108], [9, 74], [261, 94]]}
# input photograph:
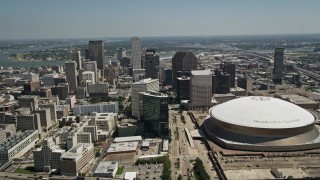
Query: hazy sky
{"points": [[118, 18]]}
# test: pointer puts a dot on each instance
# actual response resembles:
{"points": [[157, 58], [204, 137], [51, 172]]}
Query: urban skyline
{"points": [[77, 19]]}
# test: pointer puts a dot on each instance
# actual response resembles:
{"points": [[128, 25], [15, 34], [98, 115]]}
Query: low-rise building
{"points": [[86, 108], [123, 147], [17, 145], [106, 169], [77, 159]]}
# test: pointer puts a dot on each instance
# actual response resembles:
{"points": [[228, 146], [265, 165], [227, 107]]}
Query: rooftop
{"points": [[15, 139], [76, 152], [297, 99], [123, 147], [127, 139], [201, 72], [106, 167]]}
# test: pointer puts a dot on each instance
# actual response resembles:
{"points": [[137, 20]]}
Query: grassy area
{"points": [[120, 170], [192, 161], [27, 170]]}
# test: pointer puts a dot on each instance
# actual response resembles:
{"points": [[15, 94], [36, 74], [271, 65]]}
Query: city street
{"points": [[181, 153]]}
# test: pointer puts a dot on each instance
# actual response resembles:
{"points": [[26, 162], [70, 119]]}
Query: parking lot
{"points": [[147, 171]]}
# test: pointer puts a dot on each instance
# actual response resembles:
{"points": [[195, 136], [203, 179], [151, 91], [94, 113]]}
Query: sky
{"points": [[38, 19]]}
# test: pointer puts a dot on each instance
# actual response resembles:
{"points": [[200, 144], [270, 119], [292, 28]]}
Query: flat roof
{"points": [[262, 112], [201, 72], [127, 139], [106, 167], [130, 175], [297, 99], [76, 152], [122, 147]]}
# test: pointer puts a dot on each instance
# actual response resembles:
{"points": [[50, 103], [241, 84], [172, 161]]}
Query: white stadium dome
{"points": [[262, 112], [263, 124]]}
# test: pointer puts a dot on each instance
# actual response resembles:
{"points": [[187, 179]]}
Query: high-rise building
{"points": [[201, 88], [220, 82], [142, 86], [182, 61], [151, 64], [136, 53], [96, 53], [278, 66], [91, 66], [76, 57], [154, 112], [88, 75], [47, 157], [71, 75], [245, 83], [28, 122], [183, 88], [230, 68], [121, 53]]}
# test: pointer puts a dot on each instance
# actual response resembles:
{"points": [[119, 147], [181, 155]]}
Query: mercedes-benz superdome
{"points": [[258, 123]]}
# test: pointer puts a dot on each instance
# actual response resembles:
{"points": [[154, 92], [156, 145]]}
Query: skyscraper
{"points": [[71, 75], [230, 68], [201, 88], [154, 112], [136, 53], [91, 66], [142, 86], [151, 64], [76, 56], [182, 61], [96, 53], [121, 53], [278, 66]]}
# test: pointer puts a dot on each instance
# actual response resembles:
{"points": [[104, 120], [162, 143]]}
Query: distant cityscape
{"points": [[202, 107]]}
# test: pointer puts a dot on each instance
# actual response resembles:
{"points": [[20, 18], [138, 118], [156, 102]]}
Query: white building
{"points": [[17, 145], [77, 160], [106, 169], [88, 75], [105, 107], [201, 88], [142, 86]]}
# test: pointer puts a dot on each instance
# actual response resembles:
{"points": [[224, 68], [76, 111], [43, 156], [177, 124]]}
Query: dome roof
{"points": [[262, 112]]}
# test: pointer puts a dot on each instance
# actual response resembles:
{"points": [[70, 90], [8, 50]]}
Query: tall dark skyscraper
{"points": [[71, 75], [230, 68], [182, 61], [151, 64], [278, 66], [96, 53]]}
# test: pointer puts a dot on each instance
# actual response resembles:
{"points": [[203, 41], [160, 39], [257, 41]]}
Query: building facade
{"points": [[277, 73], [182, 61], [74, 162], [142, 86], [154, 112], [136, 53], [96, 53], [71, 75], [201, 88]]}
